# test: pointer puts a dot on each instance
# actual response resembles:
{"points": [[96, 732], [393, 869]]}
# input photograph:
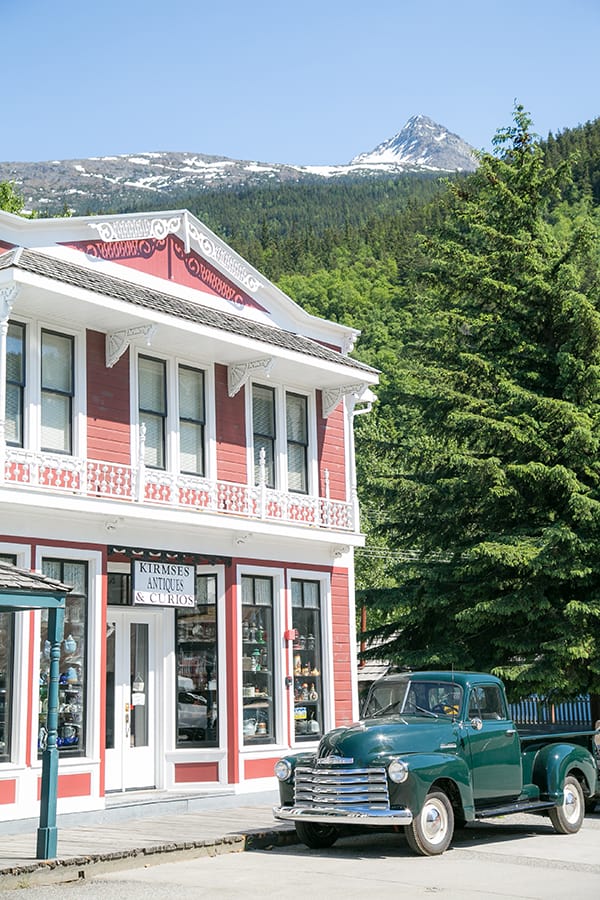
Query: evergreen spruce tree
{"points": [[493, 492]]}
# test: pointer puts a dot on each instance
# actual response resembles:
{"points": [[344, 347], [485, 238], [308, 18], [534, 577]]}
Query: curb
{"points": [[80, 868]]}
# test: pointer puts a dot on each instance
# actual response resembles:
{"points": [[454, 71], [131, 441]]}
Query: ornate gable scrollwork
{"points": [[117, 342], [333, 396], [136, 229], [239, 373], [225, 259]]}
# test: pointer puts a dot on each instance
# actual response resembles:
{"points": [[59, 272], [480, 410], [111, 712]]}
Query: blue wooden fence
{"points": [[541, 711]]}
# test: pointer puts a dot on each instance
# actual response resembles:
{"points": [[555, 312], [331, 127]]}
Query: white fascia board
{"points": [[229, 347]]}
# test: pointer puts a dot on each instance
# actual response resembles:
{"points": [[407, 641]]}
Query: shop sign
{"points": [[163, 584]]}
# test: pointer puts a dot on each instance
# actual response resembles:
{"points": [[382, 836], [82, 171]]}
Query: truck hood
{"points": [[391, 735]]}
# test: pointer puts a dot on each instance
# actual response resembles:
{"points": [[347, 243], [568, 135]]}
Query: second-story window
{"points": [[263, 426], [57, 392], [15, 383], [153, 409], [191, 421], [297, 442]]}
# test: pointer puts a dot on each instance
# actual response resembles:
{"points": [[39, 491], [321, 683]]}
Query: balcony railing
{"points": [[111, 481]]}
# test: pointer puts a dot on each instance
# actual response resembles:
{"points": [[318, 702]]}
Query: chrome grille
{"points": [[341, 787]]}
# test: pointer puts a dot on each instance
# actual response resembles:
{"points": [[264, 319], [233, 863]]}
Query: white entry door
{"points": [[131, 688]]}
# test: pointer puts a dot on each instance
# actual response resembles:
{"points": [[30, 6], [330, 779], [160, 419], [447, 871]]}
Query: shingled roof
{"points": [[69, 273], [13, 580]]}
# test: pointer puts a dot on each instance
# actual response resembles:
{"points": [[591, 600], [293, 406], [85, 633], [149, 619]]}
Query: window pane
{"points": [[154, 453], [191, 394], [14, 414], [197, 682], [6, 669], [15, 356], [56, 422], [57, 369], [152, 385], [73, 662], [296, 468], [257, 660], [269, 462], [191, 448], [263, 411], [308, 666], [295, 411]]}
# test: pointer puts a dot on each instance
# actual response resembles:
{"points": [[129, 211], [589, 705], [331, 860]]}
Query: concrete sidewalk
{"points": [[206, 827]]}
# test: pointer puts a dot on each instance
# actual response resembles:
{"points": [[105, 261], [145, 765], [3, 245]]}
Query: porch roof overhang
{"points": [[22, 590], [112, 305]]}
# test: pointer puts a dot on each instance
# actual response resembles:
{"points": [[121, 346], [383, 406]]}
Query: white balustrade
{"points": [[112, 481]]}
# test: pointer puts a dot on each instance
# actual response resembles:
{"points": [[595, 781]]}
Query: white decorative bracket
{"points": [[333, 396], [117, 342], [8, 295], [213, 249], [239, 373]]}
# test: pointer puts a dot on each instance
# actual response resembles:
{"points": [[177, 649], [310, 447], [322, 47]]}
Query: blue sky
{"points": [[270, 80]]}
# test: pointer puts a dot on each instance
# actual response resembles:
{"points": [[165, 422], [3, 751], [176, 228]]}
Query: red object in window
{"points": [[291, 634]]}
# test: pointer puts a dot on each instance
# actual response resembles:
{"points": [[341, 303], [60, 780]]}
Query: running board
{"points": [[516, 807]]}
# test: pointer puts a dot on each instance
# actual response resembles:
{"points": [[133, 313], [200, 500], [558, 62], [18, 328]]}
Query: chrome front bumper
{"points": [[358, 815]]}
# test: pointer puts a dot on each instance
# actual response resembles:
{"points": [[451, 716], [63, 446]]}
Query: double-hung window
{"points": [[263, 426], [297, 442], [192, 420], [57, 391], [153, 409], [272, 408], [15, 383]]}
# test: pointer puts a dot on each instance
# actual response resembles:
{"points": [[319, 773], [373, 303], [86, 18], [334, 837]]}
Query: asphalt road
{"points": [[514, 858]]}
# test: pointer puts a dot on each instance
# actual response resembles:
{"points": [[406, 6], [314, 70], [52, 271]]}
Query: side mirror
{"points": [[476, 724]]}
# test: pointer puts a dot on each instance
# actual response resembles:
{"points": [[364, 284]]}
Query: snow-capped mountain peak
{"points": [[422, 144]]}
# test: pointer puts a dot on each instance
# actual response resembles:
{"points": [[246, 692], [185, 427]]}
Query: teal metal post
{"points": [[47, 836]]}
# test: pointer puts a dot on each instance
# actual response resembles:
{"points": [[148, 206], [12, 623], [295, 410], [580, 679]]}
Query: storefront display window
{"points": [[308, 665], [73, 660], [7, 644], [257, 660], [197, 694]]}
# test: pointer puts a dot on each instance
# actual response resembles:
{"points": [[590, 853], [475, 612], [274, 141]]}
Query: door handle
{"points": [[510, 731]]}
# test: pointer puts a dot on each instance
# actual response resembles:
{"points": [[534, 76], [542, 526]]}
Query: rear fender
{"points": [[555, 761]]}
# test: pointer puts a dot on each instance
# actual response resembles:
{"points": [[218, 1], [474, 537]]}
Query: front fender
{"points": [[425, 769], [555, 761]]}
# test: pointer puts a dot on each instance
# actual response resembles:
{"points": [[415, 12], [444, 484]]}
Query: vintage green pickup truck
{"points": [[433, 751]]}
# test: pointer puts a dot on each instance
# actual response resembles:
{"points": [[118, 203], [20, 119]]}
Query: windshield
{"points": [[408, 696]]}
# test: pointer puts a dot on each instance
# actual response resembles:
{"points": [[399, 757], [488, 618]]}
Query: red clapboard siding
{"points": [[259, 768], [190, 772], [8, 791], [330, 447], [342, 655], [231, 431], [108, 424], [79, 785]]}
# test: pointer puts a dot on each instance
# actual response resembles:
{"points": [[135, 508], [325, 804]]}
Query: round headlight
{"points": [[398, 771], [283, 769]]}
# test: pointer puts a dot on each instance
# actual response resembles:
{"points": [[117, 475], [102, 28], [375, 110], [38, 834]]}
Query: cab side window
{"points": [[487, 702]]}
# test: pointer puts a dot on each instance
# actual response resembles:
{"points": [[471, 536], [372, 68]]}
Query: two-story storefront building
{"points": [[177, 444]]}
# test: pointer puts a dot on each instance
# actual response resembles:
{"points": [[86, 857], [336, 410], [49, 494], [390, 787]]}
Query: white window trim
{"points": [[95, 639], [172, 455], [32, 394], [280, 450], [279, 689], [327, 674], [20, 686]]}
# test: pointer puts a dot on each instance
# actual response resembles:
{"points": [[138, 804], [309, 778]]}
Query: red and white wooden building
{"points": [[177, 445]]}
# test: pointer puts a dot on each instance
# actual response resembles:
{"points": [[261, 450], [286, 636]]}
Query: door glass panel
{"points": [[257, 660], [138, 635], [110, 685]]}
